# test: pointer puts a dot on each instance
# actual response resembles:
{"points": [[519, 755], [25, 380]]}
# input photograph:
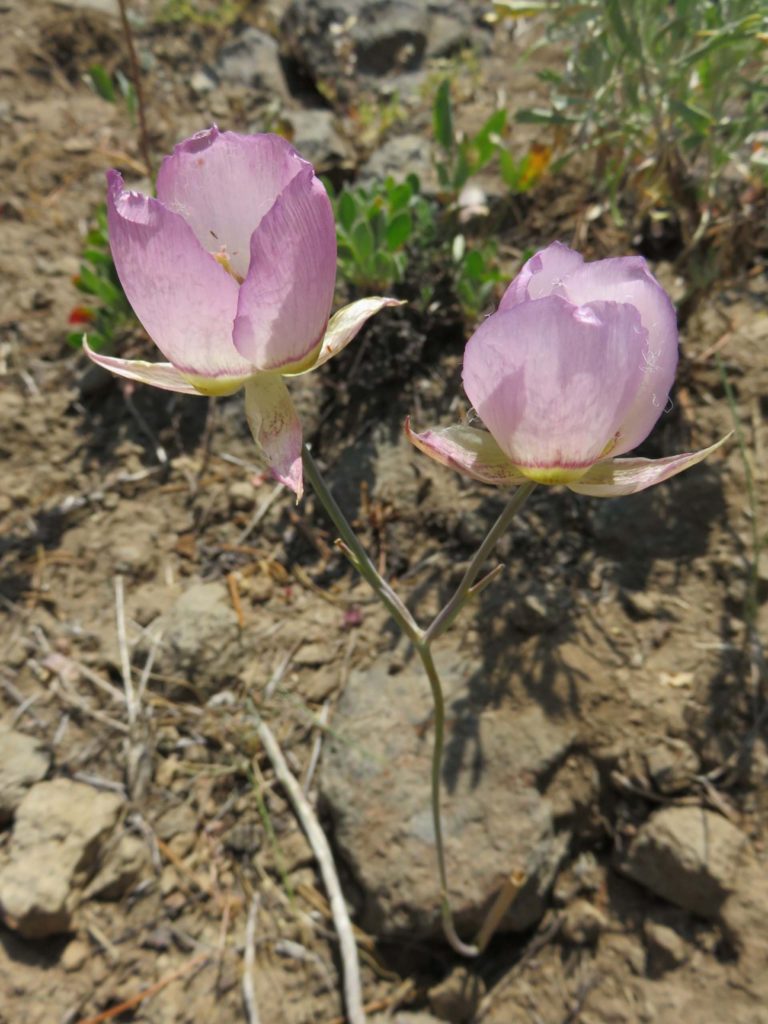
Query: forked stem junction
{"points": [[422, 641]]}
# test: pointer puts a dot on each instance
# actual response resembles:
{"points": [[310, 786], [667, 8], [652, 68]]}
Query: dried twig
{"points": [[279, 673], [128, 1004], [513, 883], [77, 702], [137, 754], [249, 962], [260, 512], [234, 596], [136, 76], [125, 658], [314, 757], [353, 997]]}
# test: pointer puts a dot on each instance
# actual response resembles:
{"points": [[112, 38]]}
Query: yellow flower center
{"points": [[552, 474]]}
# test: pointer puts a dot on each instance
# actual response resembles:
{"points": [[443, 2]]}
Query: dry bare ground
{"points": [[161, 597]]}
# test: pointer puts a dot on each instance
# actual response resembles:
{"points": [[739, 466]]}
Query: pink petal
{"points": [[345, 324], [552, 381], [285, 300], [184, 299], [627, 279], [276, 428], [616, 477], [542, 273], [223, 184], [159, 375], [468, 450]]}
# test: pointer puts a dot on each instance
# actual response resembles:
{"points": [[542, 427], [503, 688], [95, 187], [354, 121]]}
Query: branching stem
{"points": [[422, 641]]}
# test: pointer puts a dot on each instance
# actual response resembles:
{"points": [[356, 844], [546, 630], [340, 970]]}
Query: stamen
{"points": [[222, 258]]}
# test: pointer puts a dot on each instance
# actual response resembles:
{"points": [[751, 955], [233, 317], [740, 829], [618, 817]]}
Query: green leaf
{"points": [[346, 210], [362, 242], [696, 119], [495, 124], [102, 82], [127, 91], [385, 269], [97, 257], [92, 284], [462, 170], [442, 116], [75, 339], [399, 230], [400, 196], [629, 40], [510, 170], [474, 265], [413, 183]]}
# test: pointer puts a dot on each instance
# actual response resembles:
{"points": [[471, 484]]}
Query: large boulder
{"points": [[375, 783]]}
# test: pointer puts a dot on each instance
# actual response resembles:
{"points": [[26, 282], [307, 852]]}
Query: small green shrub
{"points": [[375, 226], [461, 157], [667, 96]]}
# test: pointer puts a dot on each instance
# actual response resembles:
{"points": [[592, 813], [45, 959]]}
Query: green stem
{"points": [[362, 562], [437, 763], [444, 618]]}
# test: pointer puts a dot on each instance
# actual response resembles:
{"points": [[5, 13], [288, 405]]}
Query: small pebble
{"points": [[74, 956]]}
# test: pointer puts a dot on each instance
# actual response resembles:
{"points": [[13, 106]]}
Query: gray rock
{"points": [[334, 40], [390, 35], [375, 782], [667, 949], [450, 30], [200, 638], [317, 139], [744, 914], [108, 7], [687, 855], [23, 762], [671, 765], [582, 923], [252, 59], [644, 604], [55, 849], [400, 156], [122, 866], [457, 997], [203, 81]]}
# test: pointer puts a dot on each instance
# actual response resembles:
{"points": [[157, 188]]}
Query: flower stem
{"points": [[444, 618], [362, 562], [437, 764]]}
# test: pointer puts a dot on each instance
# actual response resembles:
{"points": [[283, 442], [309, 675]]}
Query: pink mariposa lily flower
{"points": [[231, 270], [572, 370]]}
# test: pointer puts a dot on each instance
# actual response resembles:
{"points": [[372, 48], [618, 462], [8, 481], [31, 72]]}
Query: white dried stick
{"points": [[353, 996], [249, 962]]}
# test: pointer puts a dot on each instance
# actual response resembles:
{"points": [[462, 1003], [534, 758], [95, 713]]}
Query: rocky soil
{"points": [[607, 726]]}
